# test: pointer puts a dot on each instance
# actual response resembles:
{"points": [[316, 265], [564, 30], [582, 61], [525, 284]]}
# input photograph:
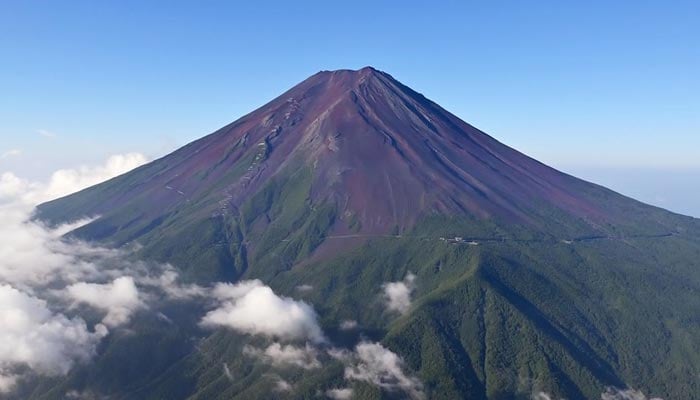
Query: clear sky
{"points": [[580, 85]]}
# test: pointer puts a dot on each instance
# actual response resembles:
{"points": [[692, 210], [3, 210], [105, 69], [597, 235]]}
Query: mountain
{"points": [[526, 278]]}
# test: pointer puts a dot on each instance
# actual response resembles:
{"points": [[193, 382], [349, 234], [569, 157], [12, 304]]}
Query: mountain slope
{"points": [[344, 152], [350, 180]]}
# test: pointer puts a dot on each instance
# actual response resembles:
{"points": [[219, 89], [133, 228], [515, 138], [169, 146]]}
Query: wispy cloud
{"points": [[340, 394], [46, 133], [542, 396], [227, 372], [305, 288], [286, 355], [613, 393], [282, 386], [375, 364], [10, 153], [348, 325]]}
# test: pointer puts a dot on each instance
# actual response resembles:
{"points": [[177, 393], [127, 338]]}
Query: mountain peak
{"points": [[345, 79], [364, 71]]}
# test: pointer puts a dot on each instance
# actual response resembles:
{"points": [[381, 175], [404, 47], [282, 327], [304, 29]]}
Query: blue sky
{"points": [[585, 86]]}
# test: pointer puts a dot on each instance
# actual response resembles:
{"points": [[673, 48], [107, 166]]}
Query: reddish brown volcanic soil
{"points": [[382, 153], [387, 154]]}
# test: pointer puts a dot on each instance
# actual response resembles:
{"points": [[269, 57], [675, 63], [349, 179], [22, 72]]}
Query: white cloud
{"points": [[340, 354], [33, 336], [227, 372], [7, 382], [398, 294], [34, 254], [612, 393], [381, 367], [305, 288], [120, 298], [84, 395], [167, 282], [36, 261], [282, 386], [31, 252], [253, 308], [15, 191], [544, 396], [286, 355], [230, 291], [340, 394], [348, 325], [67, 181], [46, 134], [541, 396], [11, 153]]}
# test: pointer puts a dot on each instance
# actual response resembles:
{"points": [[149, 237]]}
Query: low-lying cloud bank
{"points": [[32, 254], [33, 336], [66, 181], [37, 265]]}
